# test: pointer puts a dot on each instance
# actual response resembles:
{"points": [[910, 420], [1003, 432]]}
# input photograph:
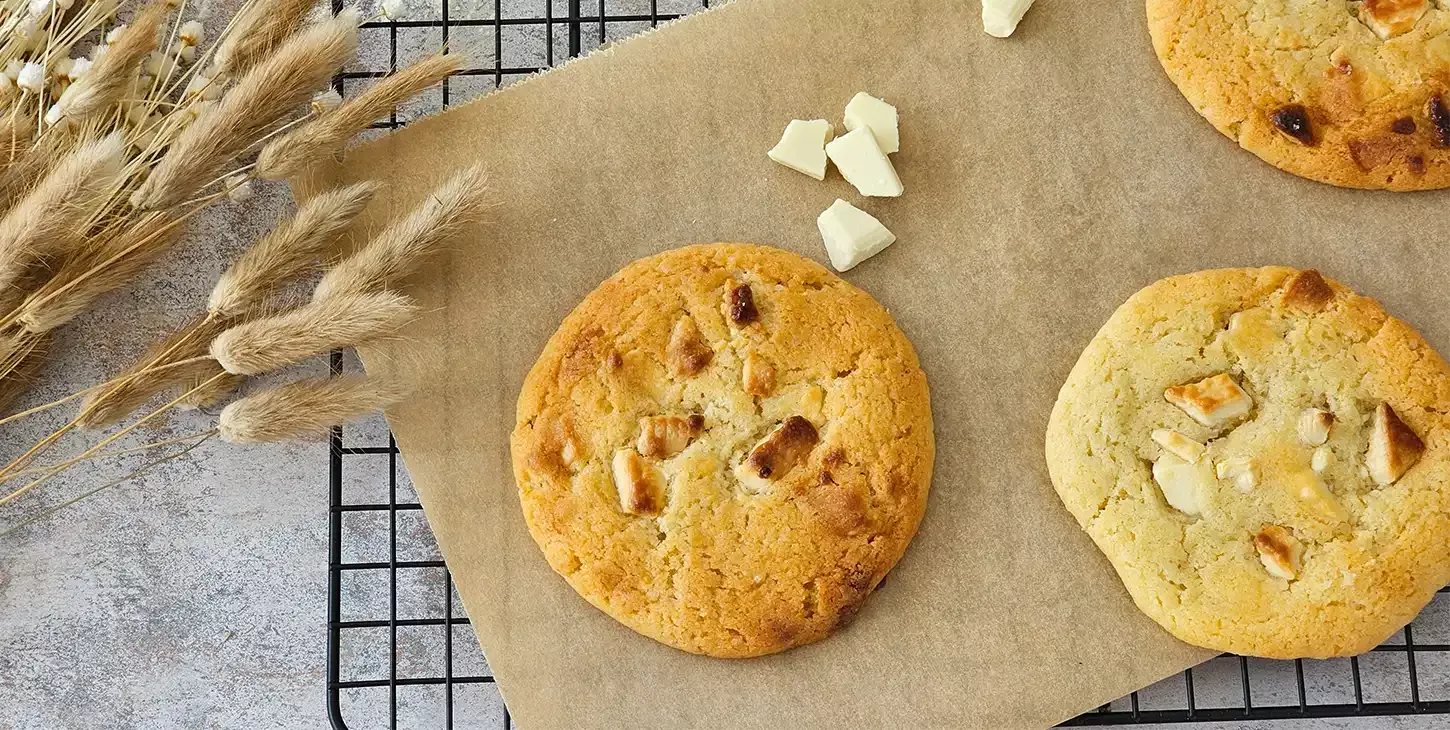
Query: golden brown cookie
{"points": [[1347, 93], [725, 447], [1262, 455]]}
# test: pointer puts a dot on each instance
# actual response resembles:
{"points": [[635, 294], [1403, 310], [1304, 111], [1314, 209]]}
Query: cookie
{"points": [[1262, 456], [725, 447], [1347, 93]]}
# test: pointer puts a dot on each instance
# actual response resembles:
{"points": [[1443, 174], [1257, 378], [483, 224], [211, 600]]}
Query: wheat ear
{"points": [[304, 409], [288, 250], [294, 151], [261, 99], [312, 329], [52, 219], [108, 264], [401, 247], [101, 87], [257, 30]]}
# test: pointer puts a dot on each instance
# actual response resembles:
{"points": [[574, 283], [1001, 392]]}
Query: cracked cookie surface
{"points": [[725, 447], [1348, 93], [1304, 517]]}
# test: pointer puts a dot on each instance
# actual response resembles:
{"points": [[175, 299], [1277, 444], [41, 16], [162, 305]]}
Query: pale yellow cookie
{"points": [[725, 447], [1347, 93], [1262, 455]]}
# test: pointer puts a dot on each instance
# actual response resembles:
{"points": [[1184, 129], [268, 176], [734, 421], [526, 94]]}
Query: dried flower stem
{"points": [[132, 475], [261, 99], [109, 454], [303, 409], [275, 342], [52, 219], [329, 132], [258, 29], [112, 75], [288, 250], [399, 248], [98, 447]]}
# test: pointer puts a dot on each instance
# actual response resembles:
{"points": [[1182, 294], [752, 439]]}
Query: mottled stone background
{"points": [[194, 596]]}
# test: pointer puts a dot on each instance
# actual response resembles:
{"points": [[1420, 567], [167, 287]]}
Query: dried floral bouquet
{"points": [[104, 156]]}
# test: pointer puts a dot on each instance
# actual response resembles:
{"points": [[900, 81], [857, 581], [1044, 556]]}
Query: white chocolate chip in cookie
{"points": [[686, 352], [1177, 444], [1279, 551], [1180, 483], [1393, 447], [1321, 459], [1314, 424], [757, 375], [1241, 470], [661, 437], [1390, 18], [1213, 401], [639, 484]]}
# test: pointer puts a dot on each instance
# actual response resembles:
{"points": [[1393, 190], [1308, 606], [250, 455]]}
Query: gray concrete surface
{"points": [[194, 596]]}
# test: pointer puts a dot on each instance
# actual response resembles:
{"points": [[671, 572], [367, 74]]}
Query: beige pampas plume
{"points": [[259, 27], [304, 409], [289, 250], [53, 218], [312, 329], [261, 99], [310, 142], [99, 269], [401, 247], [102, 86], [23, 356], [150, 375]]}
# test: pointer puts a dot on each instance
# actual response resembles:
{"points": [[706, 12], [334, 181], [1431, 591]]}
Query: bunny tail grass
{"points": [[294, 151], [101, 87], [137, 384], [86, 276], [260, 26], [261, 99], [304, 409], [401, 247], [312, 329], [52, 219], [288, 250], [20, 364]]}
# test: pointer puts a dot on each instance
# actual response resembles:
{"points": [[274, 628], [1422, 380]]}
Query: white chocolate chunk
{"points": [[1000, 17], [1241, 470], [1393, 447], [864, 165], [1321, 459], [1212, 401], [1279, 551], [1390, 18], [1314, 426], [803, 147], [851, 235], [638, 484], [1177, 444], [1180, 482], [865, 110]]}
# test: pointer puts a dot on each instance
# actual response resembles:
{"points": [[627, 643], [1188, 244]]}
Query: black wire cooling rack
{"points": [[385, 644]]}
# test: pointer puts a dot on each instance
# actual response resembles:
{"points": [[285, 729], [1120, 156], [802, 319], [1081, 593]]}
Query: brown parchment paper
{"points": [[1048, 176]]}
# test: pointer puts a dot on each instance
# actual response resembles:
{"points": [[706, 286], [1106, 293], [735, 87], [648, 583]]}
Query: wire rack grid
{"points": [[402, 654]]}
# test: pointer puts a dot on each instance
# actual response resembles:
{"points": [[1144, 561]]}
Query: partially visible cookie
{"points": [[725, 447], [1262, 455], [1348, 93]]}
